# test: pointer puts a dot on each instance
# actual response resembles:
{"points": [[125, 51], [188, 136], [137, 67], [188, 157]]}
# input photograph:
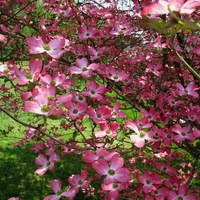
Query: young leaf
{"points": [[155, 24]]}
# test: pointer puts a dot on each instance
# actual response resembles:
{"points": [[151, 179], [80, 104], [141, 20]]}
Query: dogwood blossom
{"points": [[114, 172], [53, 48]]}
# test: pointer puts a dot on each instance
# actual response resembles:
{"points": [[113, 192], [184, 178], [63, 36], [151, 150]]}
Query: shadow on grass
{"points": [[17, 178]]}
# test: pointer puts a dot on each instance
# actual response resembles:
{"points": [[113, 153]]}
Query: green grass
{"points": [[17, 166]]}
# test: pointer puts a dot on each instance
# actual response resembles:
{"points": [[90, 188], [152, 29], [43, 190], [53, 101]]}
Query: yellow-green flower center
{"points": [[174, 186], [75, 111], [45, 108], [50, 98], [93, 92], [29, 76], [99, 115], [87, 34], [59, 192], [48, 164], [183, 133], [53, 82], [180, 198], [80, 98], [111, 172], [115, 77], [115, 185], [148, 182], [84, 69], [142, 134], [6, 71], [155, 192], [108, 131], [47, 47], [80, 182], [169, 136]]}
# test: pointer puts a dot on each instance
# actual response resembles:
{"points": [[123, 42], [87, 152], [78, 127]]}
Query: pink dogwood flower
{"points": [[40, 105], [181, 194], [47, 164], [121, 30], [79, 180], [160, 194], [14, 198], [107, 130], [90, 157], [114, 75], [87, 33], [167, 6], [58, 79], [150, 181], [96, 53], [153, 68], [56, 187], [114, 189], [53, 48], [151, 115], [166, 168], [6, 70], [75, 110], [173, 182], [189, 90], [94, 90], [101, 115], [45, 101], [140, 137], [35, 67], [116, 113], [183, 133], [83, 68], [114, 172]]}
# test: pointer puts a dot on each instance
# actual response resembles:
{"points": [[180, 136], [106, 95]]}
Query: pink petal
{"points": [[41, 171], [101, 166], [138, 142], [56, 185], [57, 43], [116, 162], [41, 160], [52, 197]]}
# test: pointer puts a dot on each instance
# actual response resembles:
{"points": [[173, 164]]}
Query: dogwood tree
{"points": [[124, 81]]}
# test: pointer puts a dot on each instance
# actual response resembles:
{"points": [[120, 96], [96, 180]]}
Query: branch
{"points": [[184, 62], [17, 12], [43, 132]]}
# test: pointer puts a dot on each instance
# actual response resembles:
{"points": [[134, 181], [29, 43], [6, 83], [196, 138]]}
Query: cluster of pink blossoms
{"points": [[135, 103]]}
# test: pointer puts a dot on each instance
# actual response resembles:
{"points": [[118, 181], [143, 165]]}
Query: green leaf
{"points": [[41, 120], [170, 23], [120, 135], [189, 25], [115, 142], [155, 24]]}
